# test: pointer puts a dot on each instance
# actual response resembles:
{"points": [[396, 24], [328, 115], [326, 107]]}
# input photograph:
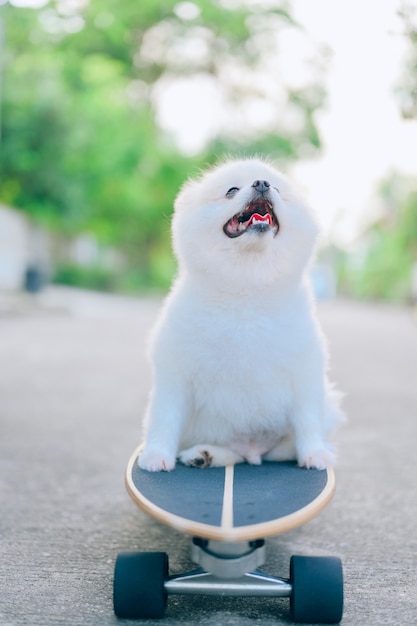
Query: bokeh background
{"points": [[107, 107]]}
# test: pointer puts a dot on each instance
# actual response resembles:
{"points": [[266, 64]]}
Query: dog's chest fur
{"points": [[236, 358]]}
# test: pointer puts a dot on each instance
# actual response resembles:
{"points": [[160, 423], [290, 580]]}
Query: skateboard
{"points": [[228, 512]]}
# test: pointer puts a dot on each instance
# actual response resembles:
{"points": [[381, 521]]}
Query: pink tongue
{"points": [[260, 218]]}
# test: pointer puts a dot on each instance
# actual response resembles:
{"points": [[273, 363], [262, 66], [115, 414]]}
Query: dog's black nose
{"points": [[261, 185]]}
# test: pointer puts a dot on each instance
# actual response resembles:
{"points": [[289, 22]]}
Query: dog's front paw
{"points": [[196, 457], [317, 459], [156, 460]]}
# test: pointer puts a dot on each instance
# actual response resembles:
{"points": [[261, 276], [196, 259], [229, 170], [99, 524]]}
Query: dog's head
{"points": [[241, 223]]}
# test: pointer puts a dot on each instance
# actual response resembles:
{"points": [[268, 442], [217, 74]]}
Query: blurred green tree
{"points": [[383, 268], [81, 146]]}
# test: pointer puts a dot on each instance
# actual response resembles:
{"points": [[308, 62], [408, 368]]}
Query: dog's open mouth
{"points": [[258, 215]]}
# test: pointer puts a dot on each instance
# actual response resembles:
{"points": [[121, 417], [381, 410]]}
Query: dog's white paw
{"points": [[317, 459], [156, 460]]}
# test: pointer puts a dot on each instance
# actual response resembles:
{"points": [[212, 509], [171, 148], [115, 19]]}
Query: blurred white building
{"points": [[24, 252], [29, 254]]}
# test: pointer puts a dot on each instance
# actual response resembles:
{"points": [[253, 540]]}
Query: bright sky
{"points": [[363, 132]]}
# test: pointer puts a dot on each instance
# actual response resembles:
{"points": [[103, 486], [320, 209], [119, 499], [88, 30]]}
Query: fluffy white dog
{"points": [[239, 361]]}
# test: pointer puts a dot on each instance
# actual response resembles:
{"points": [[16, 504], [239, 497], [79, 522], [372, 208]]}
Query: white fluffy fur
{"points": [[239, 361]]}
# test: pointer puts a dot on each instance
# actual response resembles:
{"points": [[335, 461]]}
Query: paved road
{"points": [[73, 385]]}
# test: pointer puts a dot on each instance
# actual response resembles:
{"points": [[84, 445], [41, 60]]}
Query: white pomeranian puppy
{"points": [[239, 361]]}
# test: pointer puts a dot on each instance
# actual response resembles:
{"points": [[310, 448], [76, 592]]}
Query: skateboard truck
{"points": [[228, 569]]}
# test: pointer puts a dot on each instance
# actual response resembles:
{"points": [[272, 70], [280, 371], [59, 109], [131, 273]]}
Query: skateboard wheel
{"points": [[317, 589], [139, 590]]}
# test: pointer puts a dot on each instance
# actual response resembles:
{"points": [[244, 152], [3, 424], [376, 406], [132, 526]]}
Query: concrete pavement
{"points": [[73, 384]]}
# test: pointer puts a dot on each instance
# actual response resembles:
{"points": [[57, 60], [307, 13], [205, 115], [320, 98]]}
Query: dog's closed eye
{"points": [[232, 191]]}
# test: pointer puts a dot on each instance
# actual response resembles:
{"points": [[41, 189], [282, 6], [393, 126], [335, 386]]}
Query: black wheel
{"points": [[138, 590], [317, 589]]}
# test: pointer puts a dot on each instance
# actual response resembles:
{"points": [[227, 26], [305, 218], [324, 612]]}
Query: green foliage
{"points": [[81, 149], [383, 270], [92, 277]]}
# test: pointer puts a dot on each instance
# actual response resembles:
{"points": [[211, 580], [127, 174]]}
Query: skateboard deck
{"points": [[234, 503]]}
